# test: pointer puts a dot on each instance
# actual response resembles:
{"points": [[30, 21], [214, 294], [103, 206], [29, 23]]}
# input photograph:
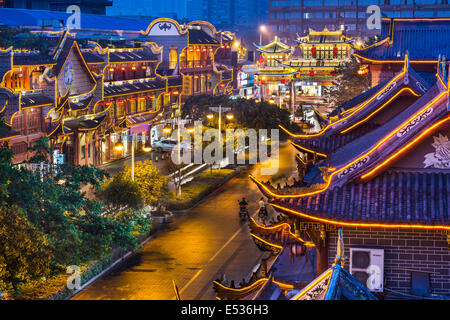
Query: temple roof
{"points": [[324, 37], [356, 122], [406, 198], [25, 59], [201, 37], [31, 100], [124, 88], [84, 123], [335, 284], [132, 55], [91, 57], [275, 47], [412, 35]]}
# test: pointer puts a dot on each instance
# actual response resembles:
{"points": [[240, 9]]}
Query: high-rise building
{"points": [[289, 17], [148, 8], [91, 6]]}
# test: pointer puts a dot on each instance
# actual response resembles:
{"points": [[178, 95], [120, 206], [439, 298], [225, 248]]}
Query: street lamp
{"points": [[230, 116], [261, 30], [190, 129], [119, 147], [210, 116], [167, 129], [147, 147]]}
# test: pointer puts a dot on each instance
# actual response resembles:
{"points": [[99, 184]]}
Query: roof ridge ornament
{"points": [[444, 70], [340, 259]]}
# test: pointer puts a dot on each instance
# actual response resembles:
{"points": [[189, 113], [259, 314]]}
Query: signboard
{"points": [[187, 86]]}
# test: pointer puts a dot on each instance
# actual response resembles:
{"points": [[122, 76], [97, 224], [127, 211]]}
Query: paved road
{"points": [[197, 248]]}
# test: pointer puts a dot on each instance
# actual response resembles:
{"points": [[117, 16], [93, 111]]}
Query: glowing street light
{"points": [[190, 129], [230, 116], [167, 130], [119, 145], [210, 116], [261, 30], [147, 147]]}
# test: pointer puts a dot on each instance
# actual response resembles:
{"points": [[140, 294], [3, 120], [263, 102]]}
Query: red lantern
{"points": [[313, 50], [311, 73], [334, 74], [111, 69], [283, 81], [263, 82], [335, 51]]}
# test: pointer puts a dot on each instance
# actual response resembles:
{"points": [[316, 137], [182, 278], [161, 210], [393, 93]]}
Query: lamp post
{"points": [[119, 147], [261, 30], [229, 117]]}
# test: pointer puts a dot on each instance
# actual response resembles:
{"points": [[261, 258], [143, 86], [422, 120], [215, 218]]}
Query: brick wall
{"points": [[422, 250]]}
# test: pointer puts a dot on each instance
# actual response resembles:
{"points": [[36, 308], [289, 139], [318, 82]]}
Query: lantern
{"points": [[283, 81], [311, 73], [313, 50], [334, 73], [111, 69], [335, 51], [123, 68], [133, 68], [230, 116]]}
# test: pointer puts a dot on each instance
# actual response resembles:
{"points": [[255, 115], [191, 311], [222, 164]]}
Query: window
{"points": [[420, 283]]}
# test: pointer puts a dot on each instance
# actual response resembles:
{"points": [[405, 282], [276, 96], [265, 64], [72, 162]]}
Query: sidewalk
{"points": [[115, 166]]}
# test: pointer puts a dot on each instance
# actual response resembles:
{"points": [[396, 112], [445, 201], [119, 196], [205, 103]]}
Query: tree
{"points": [[152, 184], [120, 193], [24, 253], [43, 151], [247, 113], [348, 85]]}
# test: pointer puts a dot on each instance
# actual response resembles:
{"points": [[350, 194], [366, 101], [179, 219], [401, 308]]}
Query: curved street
{"points": [[198, 247]]}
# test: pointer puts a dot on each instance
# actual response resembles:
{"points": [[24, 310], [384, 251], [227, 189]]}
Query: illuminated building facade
{"points": [[290, 80], [84, 95]]}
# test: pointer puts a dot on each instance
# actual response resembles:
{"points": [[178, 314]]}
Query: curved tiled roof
{"points": [[391, 198]]}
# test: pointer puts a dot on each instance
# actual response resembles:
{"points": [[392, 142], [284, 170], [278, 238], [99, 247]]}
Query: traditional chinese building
{"points": [[386, 186], [271, 76], [300, 80], [424, 38], [86, 98]]}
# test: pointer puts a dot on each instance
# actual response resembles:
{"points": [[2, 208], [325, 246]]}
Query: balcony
{"points": [[196, 64]]}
